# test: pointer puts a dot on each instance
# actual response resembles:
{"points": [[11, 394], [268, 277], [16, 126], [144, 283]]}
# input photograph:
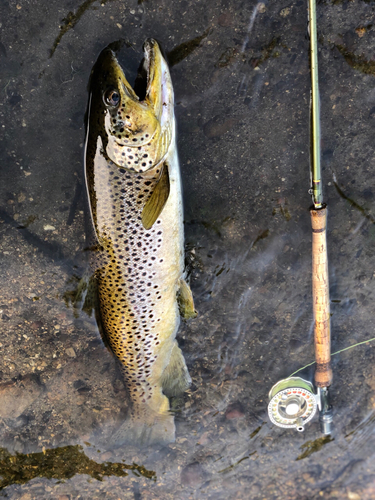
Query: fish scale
{"points": [[134, 191]]}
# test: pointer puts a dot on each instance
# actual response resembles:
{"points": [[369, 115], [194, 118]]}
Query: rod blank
{"points": [[315, 109]]}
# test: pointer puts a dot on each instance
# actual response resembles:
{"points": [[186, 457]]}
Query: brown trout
{"points": [[134, 192]]}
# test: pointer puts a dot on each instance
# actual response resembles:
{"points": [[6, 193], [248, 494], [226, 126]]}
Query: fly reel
{"points": [[292, 404]]}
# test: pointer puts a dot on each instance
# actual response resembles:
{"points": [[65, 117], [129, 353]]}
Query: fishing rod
{"points": [[293, 401]]}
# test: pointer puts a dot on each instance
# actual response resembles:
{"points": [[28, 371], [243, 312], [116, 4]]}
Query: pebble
{"points": [[15, 399], [360, 31], [353, 496], [285, 12], [234, 414], [225, 19], [261, 7], [70, 352], [21, 197], [204, 439], [192, 475], [48, 227]]}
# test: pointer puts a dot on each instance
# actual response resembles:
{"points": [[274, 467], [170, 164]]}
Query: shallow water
{"points": [[241, 80]]}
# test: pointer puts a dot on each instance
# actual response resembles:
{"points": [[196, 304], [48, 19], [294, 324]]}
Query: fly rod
{"points": [[293, 401], [320, 284]]}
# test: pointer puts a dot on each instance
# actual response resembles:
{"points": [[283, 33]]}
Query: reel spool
{"points": [[292, 403]]}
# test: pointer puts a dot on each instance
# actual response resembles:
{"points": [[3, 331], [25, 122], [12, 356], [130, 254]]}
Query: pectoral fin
{"points": [[186, 301], [91, 301], [84, 296], [157, 200]]}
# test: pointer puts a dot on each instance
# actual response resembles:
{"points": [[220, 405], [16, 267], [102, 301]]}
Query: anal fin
{"points": [[175, 379]]}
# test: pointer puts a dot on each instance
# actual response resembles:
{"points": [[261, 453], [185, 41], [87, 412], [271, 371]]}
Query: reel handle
{"points": [[322, 333]]}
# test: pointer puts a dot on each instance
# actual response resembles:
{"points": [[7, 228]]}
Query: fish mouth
{"points": [[142, 81], [153, 84], [146, 72], [137, 114]]}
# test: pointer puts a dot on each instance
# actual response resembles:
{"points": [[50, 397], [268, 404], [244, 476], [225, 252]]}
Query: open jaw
{"points": [[153, 84]]}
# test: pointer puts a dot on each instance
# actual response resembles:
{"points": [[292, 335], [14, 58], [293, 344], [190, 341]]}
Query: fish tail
{"points": [[145, 427], [152, 422]]}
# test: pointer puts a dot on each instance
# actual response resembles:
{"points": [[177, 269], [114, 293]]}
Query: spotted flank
{"points": [[134, 192]]}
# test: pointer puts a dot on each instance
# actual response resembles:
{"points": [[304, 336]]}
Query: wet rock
{"points": [[225, 19], [368, 194], [255, 489], [261, 7], [26, 496], [16, 397], [285, 12], [70, 352], [204, 439], [21, 197], [106, 456], [15, 99], [234, 412], [81, 386], [193, 475], [353, 496]]}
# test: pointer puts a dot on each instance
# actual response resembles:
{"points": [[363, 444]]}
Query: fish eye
{"points": [[112, 97]]}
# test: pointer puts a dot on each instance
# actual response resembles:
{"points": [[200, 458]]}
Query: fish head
{"points": [[135, 129]]}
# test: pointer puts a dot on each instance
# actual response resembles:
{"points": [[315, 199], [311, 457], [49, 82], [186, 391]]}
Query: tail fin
{"points": [[144, 430]]}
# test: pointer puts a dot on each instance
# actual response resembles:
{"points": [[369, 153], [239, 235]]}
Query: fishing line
{"points": [[334, 353]]}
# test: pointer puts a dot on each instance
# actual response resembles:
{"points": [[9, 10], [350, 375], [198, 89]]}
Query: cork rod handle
{"points": [[322, 334]]}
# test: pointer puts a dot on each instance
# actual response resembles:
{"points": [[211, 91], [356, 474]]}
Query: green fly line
{"points": [[337, 352]]}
